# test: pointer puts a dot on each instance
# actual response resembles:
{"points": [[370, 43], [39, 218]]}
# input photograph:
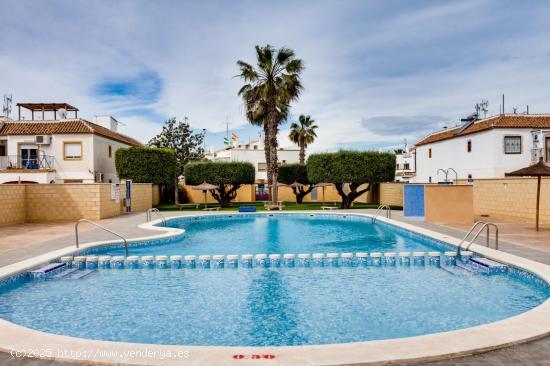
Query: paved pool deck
{"points": [[19, 242]]}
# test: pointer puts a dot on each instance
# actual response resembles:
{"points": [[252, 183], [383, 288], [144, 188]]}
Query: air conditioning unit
{"points": [[42, 140]]}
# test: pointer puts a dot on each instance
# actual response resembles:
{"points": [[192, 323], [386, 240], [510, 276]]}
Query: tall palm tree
{"points": [[269, 89], [303, 134]]}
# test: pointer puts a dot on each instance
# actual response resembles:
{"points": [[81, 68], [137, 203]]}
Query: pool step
{"points": [[80, 274], [457, 270], [64, 274], [47, 271], [488, 265]]}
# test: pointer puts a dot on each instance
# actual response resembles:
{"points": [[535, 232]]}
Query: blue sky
{"points": [[377, 72]]}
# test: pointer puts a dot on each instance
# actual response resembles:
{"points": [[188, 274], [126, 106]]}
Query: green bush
{"points": [[147, 165], [352, 167], [228, 176], [290, 173]]}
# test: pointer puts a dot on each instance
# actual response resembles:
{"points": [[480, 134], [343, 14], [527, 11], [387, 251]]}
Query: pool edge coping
{"points": [[530, 325]]}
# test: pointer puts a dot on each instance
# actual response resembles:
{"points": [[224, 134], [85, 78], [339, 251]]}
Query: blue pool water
{"points": [[298, 233], [272, 306]]}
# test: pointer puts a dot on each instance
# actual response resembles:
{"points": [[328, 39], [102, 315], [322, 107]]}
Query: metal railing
{"points": [[446, 172], [155, 210], [380, 208], [23, 162], [101, 227], [482, 225]]}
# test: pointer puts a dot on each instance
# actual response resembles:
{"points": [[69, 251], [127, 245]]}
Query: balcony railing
{"points": [[20, 162]]}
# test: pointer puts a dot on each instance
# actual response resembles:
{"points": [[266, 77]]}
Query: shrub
{"points": [[352, 167], [147, 165], [228, 176], [290, 173]]}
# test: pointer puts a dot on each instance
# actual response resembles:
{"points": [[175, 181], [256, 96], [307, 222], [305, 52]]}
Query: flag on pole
{"points": [[234, 137], [225, 141]]}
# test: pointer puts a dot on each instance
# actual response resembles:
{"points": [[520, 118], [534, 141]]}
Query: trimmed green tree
{"points": [[228, 176], [147, 165], [290, 173], [351, 168]]}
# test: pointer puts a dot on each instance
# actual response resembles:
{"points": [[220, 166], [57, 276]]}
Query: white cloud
{"points": [[363, 60]]}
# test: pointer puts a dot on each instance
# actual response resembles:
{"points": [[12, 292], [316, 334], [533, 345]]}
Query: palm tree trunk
{"points": [[273, 162], [267, 155], [273, 167], [302, 157]]}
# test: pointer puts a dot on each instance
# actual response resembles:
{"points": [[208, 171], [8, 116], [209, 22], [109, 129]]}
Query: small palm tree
{"points": [[269, 89], [303, 134]]}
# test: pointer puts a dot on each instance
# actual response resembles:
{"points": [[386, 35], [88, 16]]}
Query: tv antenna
{"points": [[6, 108], [482, 106]]}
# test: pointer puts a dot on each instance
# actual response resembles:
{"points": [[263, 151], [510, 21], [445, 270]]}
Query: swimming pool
{"points": [[306, 303]]}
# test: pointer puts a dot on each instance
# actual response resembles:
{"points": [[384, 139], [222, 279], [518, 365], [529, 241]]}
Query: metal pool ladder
{"points": [[482, 225], [155, 210], [101, 227], [382, 208]]}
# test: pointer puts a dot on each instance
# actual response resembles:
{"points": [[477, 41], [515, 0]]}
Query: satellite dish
{"points": [[62, 113]]}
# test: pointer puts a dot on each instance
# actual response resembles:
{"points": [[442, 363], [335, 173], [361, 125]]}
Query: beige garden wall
{"points": [[247, 193], [67, 202], [156, 194], [12, 204], [512, 199], [391, 194], [61, 202]]}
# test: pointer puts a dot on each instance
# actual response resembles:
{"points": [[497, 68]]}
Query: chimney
{"points": [[108, 122]]}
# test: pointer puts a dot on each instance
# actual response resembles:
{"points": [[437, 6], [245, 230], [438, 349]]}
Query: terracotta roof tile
{"points": [[71, 126], [532, 121]]}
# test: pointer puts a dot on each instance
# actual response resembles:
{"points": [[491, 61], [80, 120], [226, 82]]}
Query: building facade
{"points": [[60, 150], [254, 152], [405, 166], [483, 149]]}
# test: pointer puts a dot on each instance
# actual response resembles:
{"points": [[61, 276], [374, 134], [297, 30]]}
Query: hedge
{"points": [[147, 165]]}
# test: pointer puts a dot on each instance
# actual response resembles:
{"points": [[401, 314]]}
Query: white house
{"points": [[253, 152], [59, 150], [485, 148], [405, 167]]}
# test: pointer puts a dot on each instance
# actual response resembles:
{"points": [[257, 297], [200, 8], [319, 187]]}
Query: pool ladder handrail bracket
{"points": [[482, 225], [149, 215], [380, 208], [101, 227]]}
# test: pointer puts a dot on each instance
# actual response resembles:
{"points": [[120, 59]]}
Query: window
{"points": [[429, 153], [262, 167], [397, 166], [407, 167], [512, 144], [469, 143], [110, 152], [72, 150]]}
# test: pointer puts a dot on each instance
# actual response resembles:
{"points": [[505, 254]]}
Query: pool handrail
{"points": [[157, 211], [386, 208], [101, 227], [484, 225]]}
